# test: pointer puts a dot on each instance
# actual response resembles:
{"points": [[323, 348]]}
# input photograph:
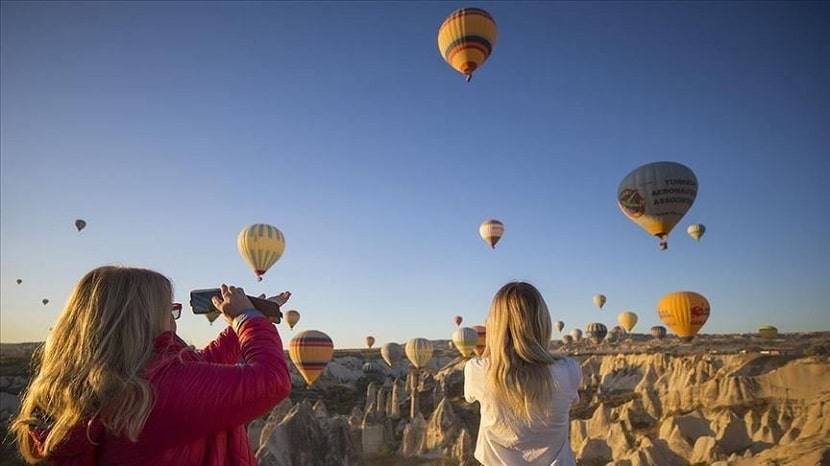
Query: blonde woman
{"points": [[115, 385], [525, 393]]}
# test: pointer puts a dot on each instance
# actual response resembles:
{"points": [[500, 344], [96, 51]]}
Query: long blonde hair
{"points": [[92, 362], [518, 332]]}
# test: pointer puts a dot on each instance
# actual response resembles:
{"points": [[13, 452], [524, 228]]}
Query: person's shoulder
{"points": [[475, 365]]}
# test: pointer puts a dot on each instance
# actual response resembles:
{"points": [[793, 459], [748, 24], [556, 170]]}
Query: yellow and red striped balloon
{"points": [[292, 317], [482, 339], [261, 246], [466, 39], [311, 351]]}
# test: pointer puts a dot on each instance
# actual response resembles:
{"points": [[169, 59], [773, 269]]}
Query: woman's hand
{"points": [[232, 302], [280, 299]]}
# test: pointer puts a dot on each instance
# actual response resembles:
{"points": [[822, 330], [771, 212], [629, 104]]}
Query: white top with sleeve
{"points": [[544, 443]]}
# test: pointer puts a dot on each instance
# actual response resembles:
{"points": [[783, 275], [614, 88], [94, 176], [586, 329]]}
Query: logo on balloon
{"points": [[633, 202]]}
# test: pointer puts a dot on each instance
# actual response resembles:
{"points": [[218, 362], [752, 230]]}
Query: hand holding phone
{"points": [[201, 301]]}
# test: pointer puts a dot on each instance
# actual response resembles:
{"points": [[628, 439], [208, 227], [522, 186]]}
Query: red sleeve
{"points": [[224, 349], [197, 398]]}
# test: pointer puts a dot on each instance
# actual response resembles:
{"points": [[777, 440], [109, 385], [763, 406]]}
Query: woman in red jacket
{"points": [[116, 386]]}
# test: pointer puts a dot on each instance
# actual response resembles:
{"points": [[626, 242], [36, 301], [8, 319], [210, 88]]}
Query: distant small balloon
{"points": [[596, 331], [45, 301], [19, 281], [212, 316], [599, 300], [627, 320], [80, 224], [696, 231], [491, 232], [292, 317], [458, 320], [768, 332], [658, 332], [391, 353], [559, 325], [482, 339], [576, 334], [370, 341]]}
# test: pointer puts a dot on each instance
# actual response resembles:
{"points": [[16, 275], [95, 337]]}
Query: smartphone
{"points": [[201, 301]]}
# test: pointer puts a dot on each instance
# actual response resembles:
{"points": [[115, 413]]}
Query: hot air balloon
{"points": [[684, 312], [559, 325], [616, 333], [371, 368], [599, 300], [261, 245], [465, 340], [466, 38], [458, 320], [696, 231], [596, 331], [19, 281], [311, 351], [658, 332], [370, 341], [292, 317], [491, 232], [391, 353], [576, 334], [80, 225], [768, 332], [482, 339], [656, 196], [419, 352], [45, 301], [567, 339], [628, 320], [212, 316]]}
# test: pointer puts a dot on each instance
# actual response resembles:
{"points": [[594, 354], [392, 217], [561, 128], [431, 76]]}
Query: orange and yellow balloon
{"points": [[466, 39], [292, 317], [465, 340], [261, 245], [684, 312], [311, 351], [491, 232], [656, 196], [627, 320]]}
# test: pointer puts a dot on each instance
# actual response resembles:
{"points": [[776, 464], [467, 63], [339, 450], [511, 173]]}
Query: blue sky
{"points": [[170, 126]]}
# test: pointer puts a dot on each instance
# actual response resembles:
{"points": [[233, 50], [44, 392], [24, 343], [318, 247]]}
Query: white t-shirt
{"points": [[546, 442]]}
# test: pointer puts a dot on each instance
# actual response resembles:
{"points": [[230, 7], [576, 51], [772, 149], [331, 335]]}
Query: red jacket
{"points": [[203, 400]]}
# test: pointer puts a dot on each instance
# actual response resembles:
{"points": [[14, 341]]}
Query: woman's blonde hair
{"points": [[518, 332], [92, 362]]}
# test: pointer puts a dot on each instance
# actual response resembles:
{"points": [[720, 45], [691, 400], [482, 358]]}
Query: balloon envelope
{"points": [[491, 232], [465, 340], [466, 39], [45, 301], [19, 281], [370, 341], [576, 334], [457, 320], [80, 224], [212, 316], [481, 345], [596, 331], [684, 312], [658, 332], [599, 300], [567, 339], [391, 353], [419, 352], [292, 317], [627, 320], [768, 332], [559, 325], [696, 231], [656, 196], [261, 245], [311, 351]]}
